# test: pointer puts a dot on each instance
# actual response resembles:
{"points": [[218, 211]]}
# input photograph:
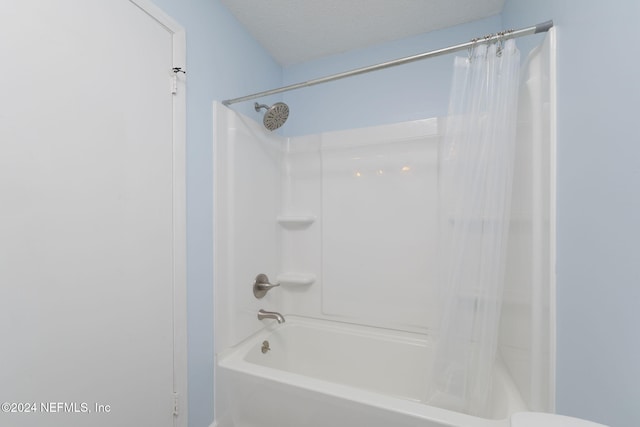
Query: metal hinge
{"points": [[174, 79], [176, 404]]}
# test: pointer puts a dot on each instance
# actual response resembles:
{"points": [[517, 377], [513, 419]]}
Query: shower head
{"points": [[275, 116]]}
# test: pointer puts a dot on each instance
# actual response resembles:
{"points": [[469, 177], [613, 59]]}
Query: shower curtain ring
{"points": [[470, 49], [500, 43]]}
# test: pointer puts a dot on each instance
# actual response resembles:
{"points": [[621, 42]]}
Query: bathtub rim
{"points": [[233, 359]]}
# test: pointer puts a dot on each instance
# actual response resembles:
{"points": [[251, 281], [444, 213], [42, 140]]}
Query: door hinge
{"points": [[174, 79], [176, 404]]}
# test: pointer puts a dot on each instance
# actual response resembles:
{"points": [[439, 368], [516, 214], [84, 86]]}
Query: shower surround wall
{"points": [[344, 221], [371, 194]]}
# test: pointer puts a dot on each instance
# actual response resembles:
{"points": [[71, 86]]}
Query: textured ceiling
{"points": [[295, 31]]}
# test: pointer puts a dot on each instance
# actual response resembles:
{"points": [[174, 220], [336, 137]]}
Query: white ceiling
{"points": [[295, 31]]}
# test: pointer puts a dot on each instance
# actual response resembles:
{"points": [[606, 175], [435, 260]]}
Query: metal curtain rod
{"points": [[540, 28]]}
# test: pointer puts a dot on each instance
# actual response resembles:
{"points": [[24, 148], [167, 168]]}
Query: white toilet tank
{"points": [[540, 419]]}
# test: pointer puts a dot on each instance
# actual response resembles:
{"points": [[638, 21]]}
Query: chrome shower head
{"points": [[275, 116]]}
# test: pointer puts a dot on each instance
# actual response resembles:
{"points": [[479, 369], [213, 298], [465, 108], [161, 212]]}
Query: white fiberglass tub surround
{"points": [[346, 221], [321, 373]]}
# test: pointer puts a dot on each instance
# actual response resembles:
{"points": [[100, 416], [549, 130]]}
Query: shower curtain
{"points": [[476, 168]]}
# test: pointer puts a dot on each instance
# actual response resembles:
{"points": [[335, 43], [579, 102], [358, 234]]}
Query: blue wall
{"points": [[598, 291], [408, 92], [223, 61]]}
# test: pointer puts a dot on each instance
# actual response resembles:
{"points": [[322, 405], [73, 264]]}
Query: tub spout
{"points": [[262, 314]]}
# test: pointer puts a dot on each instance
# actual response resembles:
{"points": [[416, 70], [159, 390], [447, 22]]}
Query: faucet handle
{"points": [[262, 285]]}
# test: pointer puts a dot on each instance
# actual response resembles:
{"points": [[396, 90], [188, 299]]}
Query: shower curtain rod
{"points": [[509, 34]]}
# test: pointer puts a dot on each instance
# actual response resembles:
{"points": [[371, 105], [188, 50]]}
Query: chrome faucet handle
{"points": [[262, 285]]}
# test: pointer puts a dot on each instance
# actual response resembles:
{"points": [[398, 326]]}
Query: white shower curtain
{"points": [[477, 156]]}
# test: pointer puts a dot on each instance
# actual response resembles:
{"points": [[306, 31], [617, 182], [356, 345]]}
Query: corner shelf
{"points": [[295, 221], [300, 279]]}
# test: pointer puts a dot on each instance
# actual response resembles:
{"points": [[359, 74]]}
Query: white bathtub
{"points": [[322, 373]]}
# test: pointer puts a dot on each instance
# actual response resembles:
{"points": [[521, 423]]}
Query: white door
{"points": [[91, 233]]}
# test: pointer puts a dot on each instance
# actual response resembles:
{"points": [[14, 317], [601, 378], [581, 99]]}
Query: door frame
{"points": [[179, 208]]}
